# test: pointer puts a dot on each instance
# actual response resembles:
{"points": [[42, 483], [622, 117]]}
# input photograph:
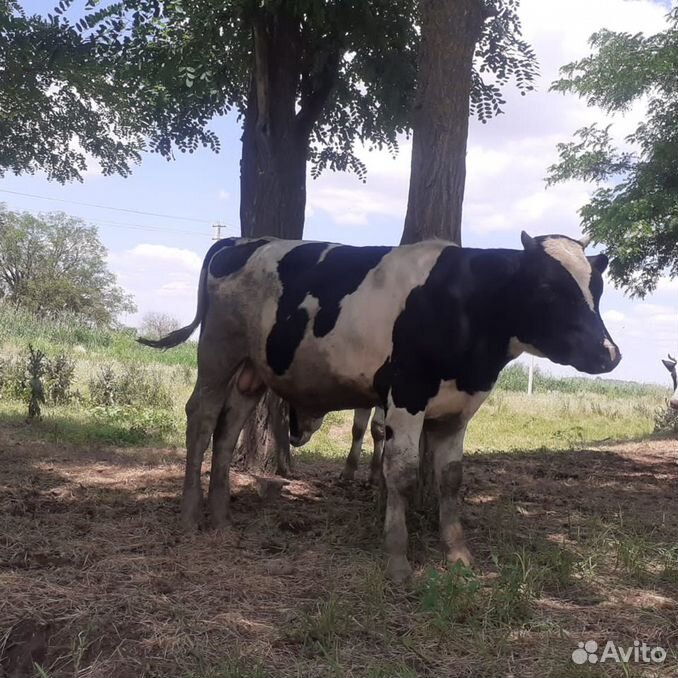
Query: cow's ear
{"points": [[599, 262], [529, 243]]}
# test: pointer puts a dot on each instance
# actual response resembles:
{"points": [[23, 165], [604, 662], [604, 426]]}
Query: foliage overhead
{"points": [[173, 65], [57, 106], [56, 263], [634, 210]]}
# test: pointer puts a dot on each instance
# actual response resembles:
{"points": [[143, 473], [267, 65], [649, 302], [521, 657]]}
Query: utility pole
{"points": [[530, 376], [217, 231]]}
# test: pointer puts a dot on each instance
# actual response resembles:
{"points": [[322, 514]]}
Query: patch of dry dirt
{"points": [[97, 580]]}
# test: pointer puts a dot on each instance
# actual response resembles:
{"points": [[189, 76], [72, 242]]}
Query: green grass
{"points": [[562, 414], [69, 333], [511, 421]]}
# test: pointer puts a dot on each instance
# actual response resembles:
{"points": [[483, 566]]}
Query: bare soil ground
{"points": [[96, 579]]}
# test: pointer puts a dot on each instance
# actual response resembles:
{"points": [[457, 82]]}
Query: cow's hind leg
{"points": [[401, 462], [446, 440], [202, 412], [360, 419], [377, 431], [236, 409]]}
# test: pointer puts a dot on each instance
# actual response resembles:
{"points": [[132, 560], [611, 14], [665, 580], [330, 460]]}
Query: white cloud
{"points": [[667, 284], [613, 317], [145, 254], [163, 278]]}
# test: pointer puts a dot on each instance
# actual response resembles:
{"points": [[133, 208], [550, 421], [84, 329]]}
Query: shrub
{"points": [[135, 385], [666, 420], [36, 393], [132, 424], [59, 374]]}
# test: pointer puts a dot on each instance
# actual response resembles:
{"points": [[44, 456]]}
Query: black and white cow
{"points": [[670, 365], [423, 330]]}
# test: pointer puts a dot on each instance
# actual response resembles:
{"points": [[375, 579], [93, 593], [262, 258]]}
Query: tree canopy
{"points": [[54, 263], [192, 60], [58, 107], [104, 80], [634, 209]]}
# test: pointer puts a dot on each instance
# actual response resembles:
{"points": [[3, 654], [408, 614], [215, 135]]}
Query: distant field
{"points": [[562, 413], [68, 333]]}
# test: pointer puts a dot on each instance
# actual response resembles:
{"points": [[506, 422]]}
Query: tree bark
{"points": [[449, 33], [275, 146]]}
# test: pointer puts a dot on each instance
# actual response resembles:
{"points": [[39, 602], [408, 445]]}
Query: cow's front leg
{"points": [[446, 440], [401, 461]]}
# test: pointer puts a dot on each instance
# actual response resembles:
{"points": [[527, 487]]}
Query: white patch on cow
{"points": [[404, 443], [311, 305], [325, 252], [611, 348], [570, 255], [362, 338], [517, 347], [451, 401]]}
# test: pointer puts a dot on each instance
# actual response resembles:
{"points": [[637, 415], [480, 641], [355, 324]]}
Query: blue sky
{"points": [[157, 259]]}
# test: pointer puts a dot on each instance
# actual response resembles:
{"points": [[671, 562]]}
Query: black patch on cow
{"points": [[219, 245], [452, 327], [382, 381], [230, 259], [302, 273], [290, 320], [388, 433], [338, 275]]}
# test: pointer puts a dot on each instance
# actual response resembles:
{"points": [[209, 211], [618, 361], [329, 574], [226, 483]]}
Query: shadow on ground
{"points": [[98, 580]]}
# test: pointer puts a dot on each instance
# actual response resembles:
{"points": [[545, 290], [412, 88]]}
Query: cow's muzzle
{"points": [[601, 361]]}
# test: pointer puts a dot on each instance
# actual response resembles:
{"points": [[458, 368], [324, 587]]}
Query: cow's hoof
{"points": [[459, 554], [375, 478], [398, 570]]}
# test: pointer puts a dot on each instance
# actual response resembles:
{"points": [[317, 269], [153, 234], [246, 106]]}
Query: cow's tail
{"points": [[181, 335]]}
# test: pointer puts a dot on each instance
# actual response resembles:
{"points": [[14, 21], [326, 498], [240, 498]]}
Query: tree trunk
{"points": [[274, 150], [275, 145], [449, 33]]}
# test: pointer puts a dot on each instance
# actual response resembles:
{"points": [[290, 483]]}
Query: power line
{"points": [[132, 227], [107, 207]]}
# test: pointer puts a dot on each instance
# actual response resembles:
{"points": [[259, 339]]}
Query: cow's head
{"points": [[558, 316], [302, 426], [670, 365]]}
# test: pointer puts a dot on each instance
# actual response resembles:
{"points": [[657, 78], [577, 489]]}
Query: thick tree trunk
{"points": [[449, 33], [275, 145]]}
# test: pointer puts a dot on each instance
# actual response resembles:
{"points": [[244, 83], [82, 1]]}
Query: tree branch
{"points": [[315, 90]]}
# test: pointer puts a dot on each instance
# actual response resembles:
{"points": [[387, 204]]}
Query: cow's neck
{"points": [[491, 327]]}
